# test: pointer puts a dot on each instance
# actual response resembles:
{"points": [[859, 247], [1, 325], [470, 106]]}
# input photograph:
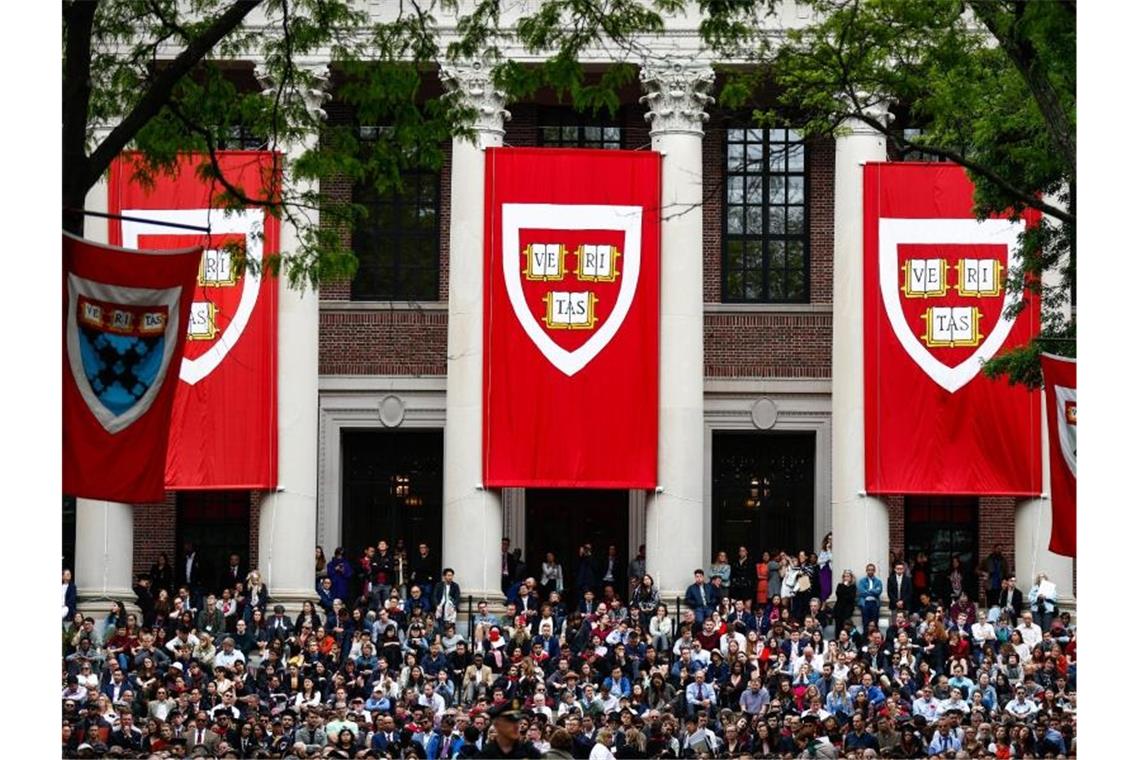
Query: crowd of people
{"points": [[766, 656]]}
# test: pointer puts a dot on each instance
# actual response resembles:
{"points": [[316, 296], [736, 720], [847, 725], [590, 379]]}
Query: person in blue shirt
{"points": [[870, 592], [858, 737]]}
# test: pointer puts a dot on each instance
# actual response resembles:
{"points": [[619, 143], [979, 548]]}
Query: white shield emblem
{"points": [[247, 222], [1067, 425], [548, 216], [896, 232]]}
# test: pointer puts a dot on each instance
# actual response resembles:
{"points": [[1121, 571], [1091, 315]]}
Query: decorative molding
{"points": [[873, 107], [472, 84], [764, 414], [312, 94], [676, 95], [431, 307], [391, 411], [767, 308]]}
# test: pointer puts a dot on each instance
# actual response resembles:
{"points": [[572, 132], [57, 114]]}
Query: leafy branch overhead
{"points": [[989, 84]]}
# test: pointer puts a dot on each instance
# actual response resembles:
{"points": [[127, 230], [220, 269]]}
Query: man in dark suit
{"points": [[899, 588], [700, 597], [509, 566], [192, 572], [1010, 599], [612, 571], [234, 572], [279, 625]]}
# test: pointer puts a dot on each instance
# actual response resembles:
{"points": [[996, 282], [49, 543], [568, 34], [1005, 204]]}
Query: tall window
{"points": [[765, 225], [217, 524], [567, 128], [398, 245]]}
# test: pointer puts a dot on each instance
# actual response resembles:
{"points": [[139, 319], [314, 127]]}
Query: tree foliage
{"points": [[991, 84]]}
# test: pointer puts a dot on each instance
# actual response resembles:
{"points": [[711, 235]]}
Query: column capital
{"points": [[471, 82], [875, 107], [676, 93], [312, 89]]}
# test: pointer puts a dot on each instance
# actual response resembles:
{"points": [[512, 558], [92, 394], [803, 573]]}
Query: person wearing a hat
{"points": [[507, 742]]}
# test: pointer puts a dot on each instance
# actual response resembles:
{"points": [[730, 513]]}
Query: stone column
{"points": [[861, 531], [288, 521], [472, 515], [104, 530], [674, 536]]}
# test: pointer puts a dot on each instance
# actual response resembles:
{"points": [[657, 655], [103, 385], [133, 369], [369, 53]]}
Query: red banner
{"points": [[1061, 417], [571, 299], [933, 309], [124, 325], [224, 424]]}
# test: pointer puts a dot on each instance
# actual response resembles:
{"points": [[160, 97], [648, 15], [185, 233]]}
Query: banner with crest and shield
{"points": [[935, 308], [571, 325], [224, 421], [124, 327]]}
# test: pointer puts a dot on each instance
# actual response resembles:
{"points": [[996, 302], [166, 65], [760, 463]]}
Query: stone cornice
{"points": [[471, 82]]}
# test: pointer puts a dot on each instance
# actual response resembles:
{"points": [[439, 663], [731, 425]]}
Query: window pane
{"points": [[570, 135], [795, 189], [736, 135], [755, 189], [777, 157], [613, 134], [735, 158], [736, 189], [795, 285], [796, 158], [593, 134], [734, 282], [794, 254], [550, 135], [755, 135], [776, 220], [734, 254], [754, 254], [754, 285], [795, 220], [778, 135], [755, 221], [755, 157], [776, 285], [776, 189], [776, 255], [735, 225]]}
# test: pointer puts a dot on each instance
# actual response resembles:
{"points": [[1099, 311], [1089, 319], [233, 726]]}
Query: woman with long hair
{"points": [[645, 599], [551, 579], [321, 562], [824, 560], [844, 599], [721, 567]]}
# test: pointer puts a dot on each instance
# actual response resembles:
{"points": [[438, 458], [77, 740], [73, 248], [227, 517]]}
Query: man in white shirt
{"points": [[1020, 707], [1030, 631], [430, 699], [927, 706]]}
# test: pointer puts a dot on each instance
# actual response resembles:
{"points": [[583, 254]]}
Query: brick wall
{"points": [[383, 342], [765, 344], [154, 533]]}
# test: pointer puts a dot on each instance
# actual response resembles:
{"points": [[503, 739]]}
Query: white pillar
{"points": [[288, 521], [860, 528], [675, 541], [472, 515], [104, 530]]}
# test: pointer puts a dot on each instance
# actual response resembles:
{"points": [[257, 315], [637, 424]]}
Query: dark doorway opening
{"points": [[942, 527], [763, 492], [69, 534], [393, 489], [217, 524], [561, 520]]}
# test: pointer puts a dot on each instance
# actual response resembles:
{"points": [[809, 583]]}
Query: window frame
{"points": [[397, 236], [916, 525], [564, 117], [765, 237]]}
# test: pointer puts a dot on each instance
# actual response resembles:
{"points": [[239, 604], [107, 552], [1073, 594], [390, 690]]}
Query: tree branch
{"points": [[160, 90], [1029, 199], [1021, 52]]}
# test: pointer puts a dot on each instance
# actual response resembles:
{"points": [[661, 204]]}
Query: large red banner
{"points": [[224, 425], [934, 309], [124, 325], [1061, 417], [571, 299]]}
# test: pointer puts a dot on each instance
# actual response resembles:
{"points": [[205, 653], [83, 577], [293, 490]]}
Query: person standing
{"points": [[424, 572], [340, 573], [507, 743], [509, 566], [899, 589], [870, 593], [824, 560], [844, 599], [995, 568], [637, 568], [742, 580], [1043, 601]]}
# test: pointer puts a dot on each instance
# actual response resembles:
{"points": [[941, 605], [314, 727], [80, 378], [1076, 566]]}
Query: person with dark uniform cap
{"points": [[507, 742]]}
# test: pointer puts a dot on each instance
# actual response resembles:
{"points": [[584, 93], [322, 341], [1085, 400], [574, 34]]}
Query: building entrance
{"points": [[563, 521], [393, 489], [763, 492]]}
